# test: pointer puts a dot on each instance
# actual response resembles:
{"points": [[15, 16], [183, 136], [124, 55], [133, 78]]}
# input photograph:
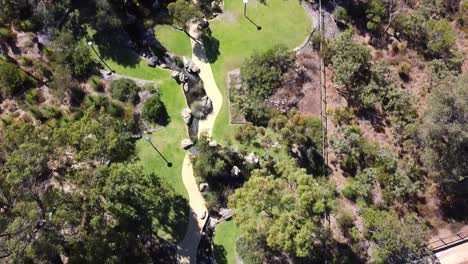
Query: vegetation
{"points": [[124, 90], [182, 12], [12, 80], [154, 110]]}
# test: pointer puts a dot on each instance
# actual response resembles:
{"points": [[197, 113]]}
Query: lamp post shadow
{"points": [[91, 44], [168, 163], [251, 21]]}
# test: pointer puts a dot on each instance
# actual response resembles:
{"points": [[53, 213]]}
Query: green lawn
{"points": [[175, 41], [166, 140], [225, 242], [282, 21]]}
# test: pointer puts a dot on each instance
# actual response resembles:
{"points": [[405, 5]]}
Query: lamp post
{"points": [[168, 163], [91, 44], [245, 7]]}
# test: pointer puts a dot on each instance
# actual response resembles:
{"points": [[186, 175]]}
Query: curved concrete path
{"points": [[187, 248]]}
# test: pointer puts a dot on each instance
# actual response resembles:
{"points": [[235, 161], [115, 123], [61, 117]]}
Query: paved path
{"points": [[187, 249], [455, 255]]}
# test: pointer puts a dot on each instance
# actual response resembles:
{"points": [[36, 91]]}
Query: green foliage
{"points": [[441, 37], [12, 80], [342, 116], [261, 75], [348, 190], [70, 53], [246, 133], [96, 84], [404, 69], [350, 61], [396, 241], [154, 110], [182, 12], [443, 133], [376, 14], [6, 35], [341, 13], [289, 212], [345, 219], [124, 90]]}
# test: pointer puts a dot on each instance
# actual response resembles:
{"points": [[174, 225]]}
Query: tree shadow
{"points": [[211, 45], [121, 55], [220, 254], [174, 217]]}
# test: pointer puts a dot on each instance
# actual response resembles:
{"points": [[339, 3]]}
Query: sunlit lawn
{"points": [[225, 243], [282, 21], [166, 140], [175, 41]]}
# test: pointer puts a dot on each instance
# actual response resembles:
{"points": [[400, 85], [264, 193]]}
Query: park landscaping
{"points": [[282, 22], [225, 243], [166, 139], [175, 41]]}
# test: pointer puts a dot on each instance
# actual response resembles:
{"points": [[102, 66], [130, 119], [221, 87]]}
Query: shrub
{"points": [[345, 219], [348, 190], [154, 110], [12, 79], [25, 61], [342, 116], [115, 109], [404, 69], [340, 13], [441, 37], [376, 14], [96, 84], [6, 35], [124, 90]]}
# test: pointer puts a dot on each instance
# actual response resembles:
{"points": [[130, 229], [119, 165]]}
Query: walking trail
{"points": [[187, 248]]}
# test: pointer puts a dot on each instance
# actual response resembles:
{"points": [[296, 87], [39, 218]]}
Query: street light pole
{"points": [[91, 44], [245, 7], [168, 163]]}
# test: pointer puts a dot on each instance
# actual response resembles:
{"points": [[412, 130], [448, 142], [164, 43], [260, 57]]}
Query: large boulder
{"points": [[175, 74], [187, 115], [251, 158], [206, 103], [186, 143], [225, 213], [183, 77], [235, 171], [204, 187], [186, 87], [152, 62]]}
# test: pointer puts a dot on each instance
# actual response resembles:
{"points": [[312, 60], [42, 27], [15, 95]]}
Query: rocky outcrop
{"points": [[187, 115], [186, 144]]}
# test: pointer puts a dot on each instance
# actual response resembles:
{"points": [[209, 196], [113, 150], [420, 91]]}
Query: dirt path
{"points": [[187, 249]]}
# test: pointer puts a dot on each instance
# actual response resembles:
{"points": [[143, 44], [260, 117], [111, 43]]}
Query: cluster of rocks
{"points": [[186, 143]]}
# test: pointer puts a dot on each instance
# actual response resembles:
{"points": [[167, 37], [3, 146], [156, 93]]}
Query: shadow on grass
{"points": [[174, 217], [121, 55], [211, 45], [220, 254]]}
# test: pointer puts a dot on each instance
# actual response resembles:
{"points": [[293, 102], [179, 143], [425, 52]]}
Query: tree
{"points": [[396, 241], [154, 110], [376, 14], [444, 134], [441, 37], [12, 79], [182, 12], [283, 211], [124, 90], [261, 74], [350, 61]]}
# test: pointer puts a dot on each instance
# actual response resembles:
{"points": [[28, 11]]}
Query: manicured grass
{"points": [[282, 21], [175, 41], [225, 243], [166, 140]]}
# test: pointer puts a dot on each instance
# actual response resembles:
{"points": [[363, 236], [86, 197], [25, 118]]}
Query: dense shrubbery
{"points": [[12, 79], [261, 75], [124, 90], [154, 110]]}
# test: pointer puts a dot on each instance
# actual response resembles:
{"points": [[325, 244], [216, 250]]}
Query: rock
{"points": [[213, 222], [186, 143], [213, 143], [175, 74], [152, 62], [251, 158], [187, 62], [163, 65], [206, 102], [225, 213], [235, 171], [182, 77], [187, 115], [195, 69], [186, 87], [204, 187]]}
